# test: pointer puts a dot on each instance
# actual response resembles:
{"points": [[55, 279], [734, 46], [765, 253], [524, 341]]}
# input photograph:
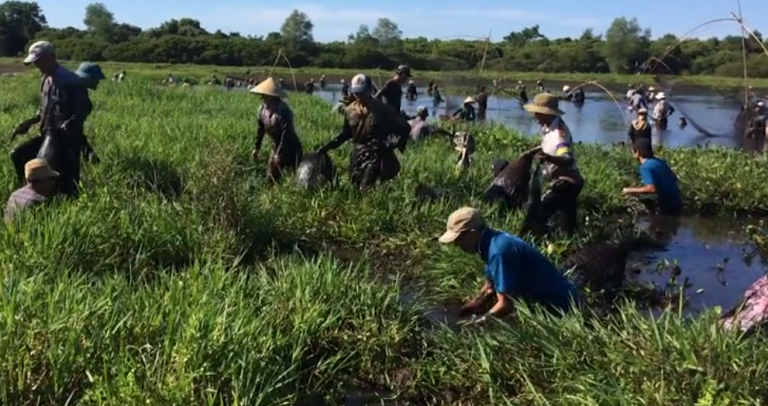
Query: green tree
{"points": [[99, 21], [19, 23], [626, 45]]}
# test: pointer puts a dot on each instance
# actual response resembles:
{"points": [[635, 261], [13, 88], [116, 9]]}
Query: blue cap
{"points": [[90, 70]]}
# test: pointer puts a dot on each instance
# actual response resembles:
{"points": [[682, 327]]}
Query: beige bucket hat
{"points": [[269, 88], [545, 103]]}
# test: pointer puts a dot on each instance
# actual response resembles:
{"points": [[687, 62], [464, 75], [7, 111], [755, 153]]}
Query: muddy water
{"points": [[600, 119], [711, 253]]}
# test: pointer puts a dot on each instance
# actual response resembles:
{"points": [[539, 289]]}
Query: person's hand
{"points": [[22, 128], [534, 151], [254, 154], [469, 308], [541, 156]]}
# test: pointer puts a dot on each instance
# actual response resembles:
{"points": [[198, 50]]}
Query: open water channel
{"points": [[711, 253]]}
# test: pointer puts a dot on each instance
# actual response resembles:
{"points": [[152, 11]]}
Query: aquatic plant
{"points": [[179, 277]]}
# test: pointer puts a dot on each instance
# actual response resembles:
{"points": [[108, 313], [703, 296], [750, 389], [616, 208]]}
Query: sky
{"points": [[335, 19]]}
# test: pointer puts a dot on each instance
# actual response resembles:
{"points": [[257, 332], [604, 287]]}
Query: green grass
{"points": [[202, 73], [179, 277]]}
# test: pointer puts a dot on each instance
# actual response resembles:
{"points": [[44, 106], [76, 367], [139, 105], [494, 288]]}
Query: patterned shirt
{"points": [[557, 141]]}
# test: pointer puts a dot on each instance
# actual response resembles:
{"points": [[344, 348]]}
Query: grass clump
{"points": [[179, 277]]}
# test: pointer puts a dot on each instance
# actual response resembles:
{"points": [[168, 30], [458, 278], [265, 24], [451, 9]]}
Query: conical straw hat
{"points": [[269, 88], [469, 100]]}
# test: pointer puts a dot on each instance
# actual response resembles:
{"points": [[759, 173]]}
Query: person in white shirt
{"points": [[556, 151]]}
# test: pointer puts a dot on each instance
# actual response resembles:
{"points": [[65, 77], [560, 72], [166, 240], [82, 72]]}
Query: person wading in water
{"points": [[662, 110], [275, 118], [392, 91], [369, 123], [410, 93], [482, 102], [309, 87], [640, 128], [344, 88], [322, 82], [514, 269], [556, 151], [90, 75], [659, 182], [467, 111], [63, 107]]}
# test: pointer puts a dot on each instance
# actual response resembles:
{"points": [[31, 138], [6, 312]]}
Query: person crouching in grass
{"points": [[659, 181], [513, 268]]}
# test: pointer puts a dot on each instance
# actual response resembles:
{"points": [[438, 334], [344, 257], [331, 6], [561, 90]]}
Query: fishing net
{"points": [[662, 74]]}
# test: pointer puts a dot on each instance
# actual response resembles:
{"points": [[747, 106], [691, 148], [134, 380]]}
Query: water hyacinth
{"points": [[179, 277]]}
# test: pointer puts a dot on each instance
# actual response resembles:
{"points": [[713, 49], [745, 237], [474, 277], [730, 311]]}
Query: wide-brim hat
{"points": [[544, 103], [661, 96], [269, 88], [469, 100], [642, 110]]}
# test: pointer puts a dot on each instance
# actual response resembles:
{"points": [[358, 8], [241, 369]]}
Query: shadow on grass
{"points": [[154, 175]]}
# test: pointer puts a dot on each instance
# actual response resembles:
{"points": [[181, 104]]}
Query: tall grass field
{"points": [[180, 278]]}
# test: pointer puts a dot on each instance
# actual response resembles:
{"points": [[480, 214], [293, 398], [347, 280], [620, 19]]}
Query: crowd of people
{"points": [[49, 164]]}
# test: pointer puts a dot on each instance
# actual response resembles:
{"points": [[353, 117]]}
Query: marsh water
{"points": [[600, 119]]}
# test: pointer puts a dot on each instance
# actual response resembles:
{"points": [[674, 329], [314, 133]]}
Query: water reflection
{"points": [[600, 119], [709, 252]]}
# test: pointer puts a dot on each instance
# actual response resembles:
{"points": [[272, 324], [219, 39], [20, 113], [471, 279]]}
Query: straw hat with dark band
{"points": [[545, 103], [269, 88]]}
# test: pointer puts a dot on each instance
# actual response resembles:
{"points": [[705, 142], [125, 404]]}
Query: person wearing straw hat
{"points": [[467, 110], [369, 123], [90, 75], [275, 118], [514, 269], [662, 110], [639, 128], [40, 185], [556, 151]]}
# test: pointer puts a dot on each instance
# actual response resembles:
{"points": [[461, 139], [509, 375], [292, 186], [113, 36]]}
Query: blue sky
{"points": [[335, 19]]}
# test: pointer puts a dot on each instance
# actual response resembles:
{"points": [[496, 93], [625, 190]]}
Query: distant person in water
{"points": [[682, 122], [411, 93], [514, 269], [344, 88], [437, 98], [658, 180], [309, 87], [467, 111], [322, 82], [639, 128], [482, 102], [758, 128]]}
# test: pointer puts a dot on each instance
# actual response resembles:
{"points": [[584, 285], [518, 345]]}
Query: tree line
{"points": [[625, 47]]}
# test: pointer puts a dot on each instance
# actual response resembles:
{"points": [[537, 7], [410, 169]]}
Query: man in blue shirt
{"points": [[657, 178], [514, 269]]}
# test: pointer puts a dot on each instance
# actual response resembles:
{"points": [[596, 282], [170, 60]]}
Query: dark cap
{"points": [[643, 146], [405, 70]]}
